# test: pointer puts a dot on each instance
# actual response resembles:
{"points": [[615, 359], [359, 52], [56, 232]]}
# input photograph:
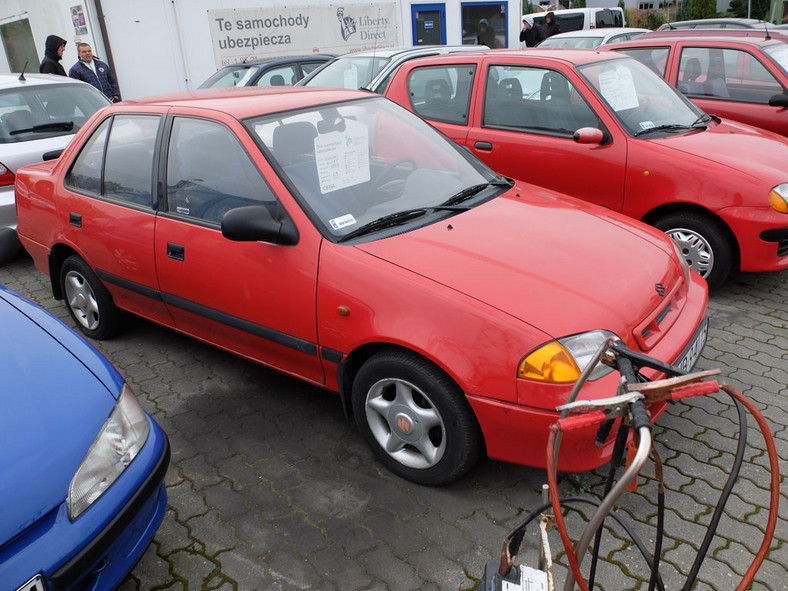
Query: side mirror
{"points": [[779, 100], [255, 223], [589, 135]]}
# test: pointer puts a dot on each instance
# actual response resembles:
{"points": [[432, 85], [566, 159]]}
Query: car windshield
{"points": [[573, 42], [39, 111], [369, 164], [230, 76], [352, 72], [644, 104], [779, 53]]}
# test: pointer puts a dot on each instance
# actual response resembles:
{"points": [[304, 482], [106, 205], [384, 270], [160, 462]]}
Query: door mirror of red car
{"points": [[779, 100], [589, 135], [255, 223]]}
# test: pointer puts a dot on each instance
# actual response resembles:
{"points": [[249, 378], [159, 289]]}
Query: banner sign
{"points": [[248, 33]]}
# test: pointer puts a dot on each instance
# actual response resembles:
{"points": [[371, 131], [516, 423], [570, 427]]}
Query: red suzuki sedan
{"points": [[337, 237], [603, 127]]}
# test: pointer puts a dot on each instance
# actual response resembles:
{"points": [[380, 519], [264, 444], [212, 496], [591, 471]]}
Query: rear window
{"points": [[35, 112], [608, 18]]}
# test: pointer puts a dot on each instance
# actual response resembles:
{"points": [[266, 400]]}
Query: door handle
{"points": [[175, 251], [75, 219], [483, 146]]}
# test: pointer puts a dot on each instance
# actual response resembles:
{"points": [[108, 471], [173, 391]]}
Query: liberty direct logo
{"points": [[347, 24]]}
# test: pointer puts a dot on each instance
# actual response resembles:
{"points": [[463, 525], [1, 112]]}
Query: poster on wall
{"points": [[78, 20], [249, 33]]}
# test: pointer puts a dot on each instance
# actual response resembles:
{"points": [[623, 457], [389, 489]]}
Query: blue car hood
{"points": [[56, 392]]}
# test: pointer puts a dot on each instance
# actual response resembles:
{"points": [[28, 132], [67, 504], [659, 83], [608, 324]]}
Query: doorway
{"points": [[429, 24]]}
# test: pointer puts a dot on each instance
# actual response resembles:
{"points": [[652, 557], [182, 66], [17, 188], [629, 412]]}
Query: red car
{"points": [[603, 127], [337, 237], [738, 77]]}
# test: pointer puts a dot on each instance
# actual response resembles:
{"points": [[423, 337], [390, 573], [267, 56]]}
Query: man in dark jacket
{"points": [[551, 24], [53, 53], [531, 34], [93, 71]]}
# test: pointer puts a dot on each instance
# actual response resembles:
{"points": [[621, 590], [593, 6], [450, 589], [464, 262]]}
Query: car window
{"points": [[120, 167], [41, 111], [209, 172], [281, 76], [534, 99], [779, 53], [656, 58], [442, 93], [309, 67], [229, 76], [726, 74], [348, 72], [128, 166]]}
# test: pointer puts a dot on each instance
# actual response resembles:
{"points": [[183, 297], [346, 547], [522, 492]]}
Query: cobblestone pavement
{"points": [[270, 488]]}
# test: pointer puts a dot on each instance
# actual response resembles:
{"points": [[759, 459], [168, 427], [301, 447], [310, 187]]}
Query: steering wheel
{"points": [[382, 178]]}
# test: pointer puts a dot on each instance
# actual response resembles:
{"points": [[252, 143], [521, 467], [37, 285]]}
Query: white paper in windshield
{"points": [[350, 78], [618, 88], [343, 157], [780, 55]]}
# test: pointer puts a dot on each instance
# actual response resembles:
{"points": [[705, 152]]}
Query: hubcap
{"points": [[405, 423], [81, 300], [696, 249]]}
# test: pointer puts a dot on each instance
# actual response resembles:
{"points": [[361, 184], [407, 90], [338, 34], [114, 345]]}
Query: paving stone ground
{"points": [[270, 488]]}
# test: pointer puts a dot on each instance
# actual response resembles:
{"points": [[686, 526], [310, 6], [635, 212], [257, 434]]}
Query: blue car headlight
{"points": [[117, 444]]}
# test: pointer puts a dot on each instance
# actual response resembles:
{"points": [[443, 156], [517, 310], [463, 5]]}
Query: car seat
{"points": [[277, 80], [556, 103], [715, 78], [689, 83]]}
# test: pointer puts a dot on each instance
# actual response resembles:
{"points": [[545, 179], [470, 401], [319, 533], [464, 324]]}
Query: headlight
{"points": [[778, 198], [684, 265], [562, 361], [117, 444]]}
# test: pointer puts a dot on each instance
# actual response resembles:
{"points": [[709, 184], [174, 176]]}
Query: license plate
{"points": [[691, 355], [34, 584]]}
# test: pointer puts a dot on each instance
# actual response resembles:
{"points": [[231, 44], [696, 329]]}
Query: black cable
{"points": [[726, 493], [658, 542], [623, 523]]}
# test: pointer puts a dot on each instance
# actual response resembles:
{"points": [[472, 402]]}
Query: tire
{"points": [[88, 301], [415, 418], [9, 245], [705, 245]]}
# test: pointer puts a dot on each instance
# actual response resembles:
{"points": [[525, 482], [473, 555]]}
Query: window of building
{"points": [[484, 23]]}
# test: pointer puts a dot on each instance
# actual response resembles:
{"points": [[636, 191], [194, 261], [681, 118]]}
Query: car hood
{"points": [[561, 265], [726, 143], [53, 406]]}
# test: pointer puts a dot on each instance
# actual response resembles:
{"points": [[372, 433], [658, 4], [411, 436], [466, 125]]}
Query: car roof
{"points": [[13, 81], [565, 55], [721, 40], [249, 101], [603, 32], [742, 22], [390, 52], [275, 59], [764, 34]]}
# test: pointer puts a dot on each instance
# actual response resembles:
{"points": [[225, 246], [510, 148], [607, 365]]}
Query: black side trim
{"points": [[259, 330], [331, 355], [774, 235], [148, 292], [241, 324], [75, 568]]}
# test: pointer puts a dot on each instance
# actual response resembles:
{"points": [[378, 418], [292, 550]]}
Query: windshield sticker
{"points": [[343, 157], [342, 222], [618, 88], [647, 125]]}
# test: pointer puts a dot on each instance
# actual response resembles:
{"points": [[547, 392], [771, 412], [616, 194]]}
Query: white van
{"points": [[577, 19]]}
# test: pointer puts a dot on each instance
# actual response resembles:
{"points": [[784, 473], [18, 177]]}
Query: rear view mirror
{"points": [[255, 223], [779, 100], [589, 135]]}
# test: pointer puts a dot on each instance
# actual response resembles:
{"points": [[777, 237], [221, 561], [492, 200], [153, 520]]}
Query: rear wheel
{"points": [[415, 418], [703, 242], [88, 301]]}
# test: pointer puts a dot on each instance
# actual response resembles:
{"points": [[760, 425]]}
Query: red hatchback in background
{"points": [[733, 76], [335, 236], [601, 126]]}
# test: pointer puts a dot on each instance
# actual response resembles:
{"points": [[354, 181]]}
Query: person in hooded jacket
{"points": [[531, 33], [53, 53], [551, 24]]}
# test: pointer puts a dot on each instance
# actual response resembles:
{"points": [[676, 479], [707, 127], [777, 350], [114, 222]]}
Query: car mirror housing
{"points": [[589, 135], [255, 223], [779, 100]]}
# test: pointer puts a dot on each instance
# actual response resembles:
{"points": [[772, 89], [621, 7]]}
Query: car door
{"points": [[109, 203], [254, 298], [522, 125]]}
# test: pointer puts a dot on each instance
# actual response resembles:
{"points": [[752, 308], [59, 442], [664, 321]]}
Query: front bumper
{"points": [[762, 234]]}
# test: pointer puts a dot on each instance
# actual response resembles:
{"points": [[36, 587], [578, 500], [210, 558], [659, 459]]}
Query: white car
{"points": [[39, 114], [592, 38], [372, 70]]}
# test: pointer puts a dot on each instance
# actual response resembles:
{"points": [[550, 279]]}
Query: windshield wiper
{"points": [[701, 121], [55, 126], [469, 192], [668, 127], [396, 219]]}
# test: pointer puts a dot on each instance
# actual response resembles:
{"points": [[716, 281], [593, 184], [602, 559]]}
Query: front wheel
{"points": [[703, 242], [415, 418], [88, 301]]}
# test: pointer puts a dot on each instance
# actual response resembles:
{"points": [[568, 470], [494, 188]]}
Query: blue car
{"points": [[82, 465]]}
